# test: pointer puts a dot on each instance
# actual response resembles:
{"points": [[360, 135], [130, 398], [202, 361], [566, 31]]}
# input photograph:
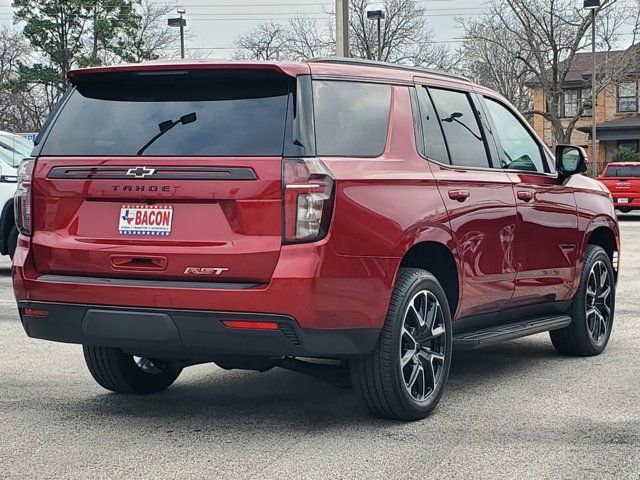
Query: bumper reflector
{"points": [[248, 325], [32, 312]]}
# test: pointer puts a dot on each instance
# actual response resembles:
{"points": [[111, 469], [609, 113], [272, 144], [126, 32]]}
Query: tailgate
{"points": [[200, 219], [623, 190]]}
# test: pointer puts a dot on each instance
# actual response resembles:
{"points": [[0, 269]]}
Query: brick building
{"points": [[617, 113]]}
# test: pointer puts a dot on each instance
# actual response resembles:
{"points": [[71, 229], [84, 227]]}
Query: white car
{"points": [[13, 149]]}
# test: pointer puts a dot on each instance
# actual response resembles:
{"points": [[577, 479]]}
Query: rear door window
{"points": [[195, 114], [625, 171], [351, 118], [461, 128]]}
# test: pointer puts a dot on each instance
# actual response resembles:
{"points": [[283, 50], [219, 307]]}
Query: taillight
{"points": [[308, 199], [22, 198]]}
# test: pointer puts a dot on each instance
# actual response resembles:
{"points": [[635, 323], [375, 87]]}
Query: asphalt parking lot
{"points": [[513, 411]]}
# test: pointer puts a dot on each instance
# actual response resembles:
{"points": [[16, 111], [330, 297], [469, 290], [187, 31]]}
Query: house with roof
{"points": [[617, 112]]}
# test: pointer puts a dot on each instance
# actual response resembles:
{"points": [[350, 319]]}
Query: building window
{"points": [[632, 144], [628, 97], [571, 102]]}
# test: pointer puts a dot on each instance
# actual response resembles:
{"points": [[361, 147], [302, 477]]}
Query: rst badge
{"points": [[145, 220], [205, 270]]}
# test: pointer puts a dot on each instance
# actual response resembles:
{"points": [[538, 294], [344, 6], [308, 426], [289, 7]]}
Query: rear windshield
{"points": [[622, 171], [238, 113]]}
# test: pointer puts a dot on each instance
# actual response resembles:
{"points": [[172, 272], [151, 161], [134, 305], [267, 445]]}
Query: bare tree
{"points": [[541, 38], [306, 38], [22, 106], [151, 39], [486, 62], [406, 37], [266, 42]]}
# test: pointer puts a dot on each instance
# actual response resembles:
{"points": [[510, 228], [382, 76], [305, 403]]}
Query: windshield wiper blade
{"points": [[168, 125]]}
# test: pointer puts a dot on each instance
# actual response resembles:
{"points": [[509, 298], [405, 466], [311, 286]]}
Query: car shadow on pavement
{"points": [[628, 217], [218, 399]]}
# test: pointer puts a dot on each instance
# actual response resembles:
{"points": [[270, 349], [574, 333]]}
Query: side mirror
{"points": [[570, 160]]}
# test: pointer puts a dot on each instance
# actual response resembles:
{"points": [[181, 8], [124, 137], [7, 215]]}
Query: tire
{"points": [[379, 378], [589, 333], [119, 372], [12, 241], [623, 209]]}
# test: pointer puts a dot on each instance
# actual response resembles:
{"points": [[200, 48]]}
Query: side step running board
{"points": [[509, 331]]}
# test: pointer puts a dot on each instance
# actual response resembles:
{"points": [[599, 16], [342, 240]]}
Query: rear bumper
{"points": [[187, 334], [311, 284], [333, 305], [632, 200]]}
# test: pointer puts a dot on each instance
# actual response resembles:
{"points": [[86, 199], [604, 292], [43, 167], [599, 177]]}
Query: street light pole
{"points": [[594, 95], [379, 41], [593, 5], [181, 11], [376, 11], [179, 22]]}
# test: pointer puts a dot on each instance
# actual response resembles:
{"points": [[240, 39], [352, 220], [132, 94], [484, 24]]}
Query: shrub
{"points": [[625, 154]]}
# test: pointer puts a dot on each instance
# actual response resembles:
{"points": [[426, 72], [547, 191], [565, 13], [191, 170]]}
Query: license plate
{"points": [[623, 200], [145, 220]]}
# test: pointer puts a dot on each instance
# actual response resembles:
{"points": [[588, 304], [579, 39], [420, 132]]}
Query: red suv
{"points": [[319, 216], [623, 181]]}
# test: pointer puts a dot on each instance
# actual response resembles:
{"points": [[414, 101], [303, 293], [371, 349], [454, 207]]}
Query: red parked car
{"points": [[272, 214], [623, 181]]}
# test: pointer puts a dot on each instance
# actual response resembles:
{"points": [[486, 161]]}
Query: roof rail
{"points": [[374, 63]]}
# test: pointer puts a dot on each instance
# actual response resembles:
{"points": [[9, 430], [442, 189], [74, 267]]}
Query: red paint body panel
{"points": [[483, 226], [548, 239]]}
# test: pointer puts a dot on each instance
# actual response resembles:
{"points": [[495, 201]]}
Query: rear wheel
{"points": [[120, 372], [404, 377], [592, 309]]}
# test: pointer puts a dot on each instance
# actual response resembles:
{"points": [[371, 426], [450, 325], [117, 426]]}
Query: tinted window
{"points": [[435, 147], [460, 127], [351, 118], [519, 149], [242, 113], [626, 171]]}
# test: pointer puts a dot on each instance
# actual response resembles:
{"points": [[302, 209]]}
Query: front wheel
{"points": [[404, 377], [592, 308], [120, 372]]}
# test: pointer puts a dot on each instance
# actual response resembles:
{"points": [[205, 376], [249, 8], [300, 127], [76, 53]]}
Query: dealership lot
{"points": [[516, 410]]}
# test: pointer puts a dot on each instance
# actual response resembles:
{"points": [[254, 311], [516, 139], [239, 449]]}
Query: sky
{"points": [[215, 24]]}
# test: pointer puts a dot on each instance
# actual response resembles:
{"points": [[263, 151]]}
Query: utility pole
{"points": [[342, 28]]}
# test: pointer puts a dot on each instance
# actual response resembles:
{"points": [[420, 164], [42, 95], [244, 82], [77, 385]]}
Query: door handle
{"points": [[459, 195], [525, 195], [126, 262]]}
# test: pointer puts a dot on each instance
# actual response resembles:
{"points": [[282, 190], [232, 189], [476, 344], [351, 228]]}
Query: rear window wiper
{"points": [[168, 125]]}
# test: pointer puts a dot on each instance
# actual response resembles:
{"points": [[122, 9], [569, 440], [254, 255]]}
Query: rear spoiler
{"points": [[292, 69]]}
